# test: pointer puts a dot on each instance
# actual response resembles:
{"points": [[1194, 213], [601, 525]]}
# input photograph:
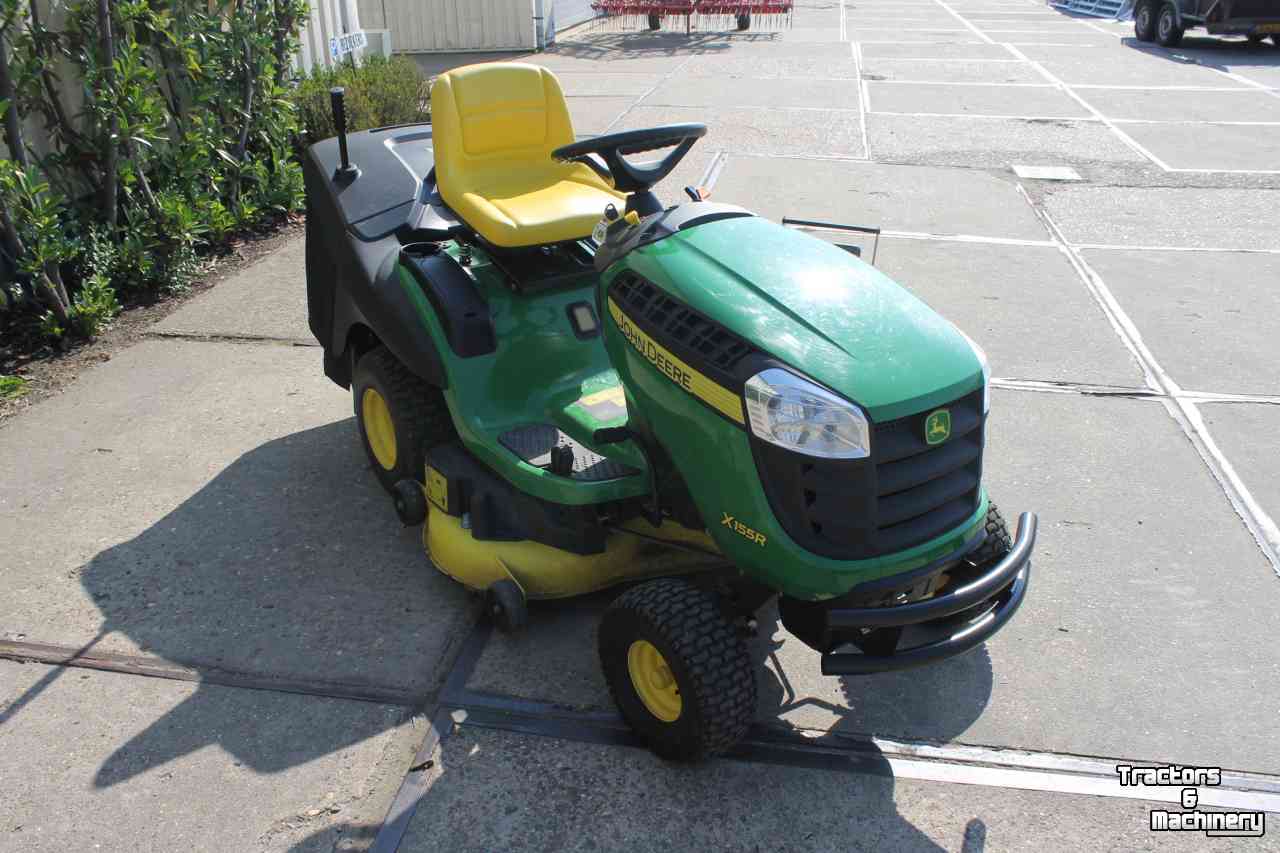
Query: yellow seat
{"points": [[494, 127]]}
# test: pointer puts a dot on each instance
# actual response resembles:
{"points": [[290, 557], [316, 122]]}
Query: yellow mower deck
{"points": [[542, 571]]}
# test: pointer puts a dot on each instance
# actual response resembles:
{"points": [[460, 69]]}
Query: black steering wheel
{"points": [[627, 177]]}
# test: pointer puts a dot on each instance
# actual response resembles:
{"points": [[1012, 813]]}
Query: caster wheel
{"points": [[410, 502], [506, 606], [678, 670]]}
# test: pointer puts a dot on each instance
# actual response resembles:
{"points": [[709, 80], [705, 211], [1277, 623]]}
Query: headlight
{"points": [[986, 373], [791, 412]]}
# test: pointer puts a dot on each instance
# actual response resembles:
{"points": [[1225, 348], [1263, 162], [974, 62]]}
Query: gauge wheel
{"points": [[399, 417], [506, 606], [1144, 22], [678, 671], [1168, 32], [998, 541]]}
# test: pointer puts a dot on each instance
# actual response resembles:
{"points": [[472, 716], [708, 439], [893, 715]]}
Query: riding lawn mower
{"points": [[573, 386]]}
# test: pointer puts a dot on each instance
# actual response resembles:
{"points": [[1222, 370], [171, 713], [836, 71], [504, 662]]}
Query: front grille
{"points": [[907, 493], [671, 322]]}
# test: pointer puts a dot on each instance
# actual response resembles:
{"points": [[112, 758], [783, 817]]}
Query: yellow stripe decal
{"points": [[708, 391]]}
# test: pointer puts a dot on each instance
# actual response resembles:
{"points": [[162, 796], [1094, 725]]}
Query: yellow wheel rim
{"points": [[653, 680], [378, 428]]}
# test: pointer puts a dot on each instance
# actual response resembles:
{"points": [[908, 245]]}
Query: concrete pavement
{"points": [[200, 505]]}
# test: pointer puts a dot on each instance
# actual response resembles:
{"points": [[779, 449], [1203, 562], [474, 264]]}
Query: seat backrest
{"points": [[492, 120]]}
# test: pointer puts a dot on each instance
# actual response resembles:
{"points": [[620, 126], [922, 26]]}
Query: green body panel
{"points": [[827, 315], [537, 373], [818, 309], [812, 306]]}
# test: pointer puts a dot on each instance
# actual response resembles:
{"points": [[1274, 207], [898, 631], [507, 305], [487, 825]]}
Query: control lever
{"points": [[346, 171]]}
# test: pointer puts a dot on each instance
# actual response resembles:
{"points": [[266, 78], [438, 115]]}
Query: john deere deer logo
{"points": [[937, 427]]}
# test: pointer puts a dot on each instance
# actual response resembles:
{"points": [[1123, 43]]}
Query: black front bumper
{"points": [[960, 616]]}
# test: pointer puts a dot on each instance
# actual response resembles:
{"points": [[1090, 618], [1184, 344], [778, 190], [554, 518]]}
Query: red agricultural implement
{"points": [[697, 14]]}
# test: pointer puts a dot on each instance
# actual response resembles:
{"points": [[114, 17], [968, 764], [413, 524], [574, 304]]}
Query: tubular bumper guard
{"points": [[1001, 589]]}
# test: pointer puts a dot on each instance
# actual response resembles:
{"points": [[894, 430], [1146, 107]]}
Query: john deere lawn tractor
{"points": [[574, 386]]}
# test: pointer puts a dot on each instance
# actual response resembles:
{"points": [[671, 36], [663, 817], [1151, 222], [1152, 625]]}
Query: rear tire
{"points": [[1168, 31], [655, 22], [1144, 22], [744, 22], [399, 417], [669, 641]]}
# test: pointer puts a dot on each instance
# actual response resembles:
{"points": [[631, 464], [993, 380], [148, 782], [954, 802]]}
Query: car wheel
{"points": [[1144, 22], [1168, 31]]}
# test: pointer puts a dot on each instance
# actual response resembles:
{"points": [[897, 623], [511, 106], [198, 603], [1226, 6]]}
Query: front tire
{"points": [[998, 541], [399, 417], [678, 671], [1168, 31]]}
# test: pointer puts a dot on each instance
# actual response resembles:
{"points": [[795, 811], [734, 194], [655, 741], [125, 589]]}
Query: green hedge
{"points": [[186, 134], [380, 92]]}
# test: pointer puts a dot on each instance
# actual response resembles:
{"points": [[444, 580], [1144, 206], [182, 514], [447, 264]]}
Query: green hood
{"points": [[820, 310]]}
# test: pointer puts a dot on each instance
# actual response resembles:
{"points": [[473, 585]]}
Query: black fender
{"points": [[351, 254]]}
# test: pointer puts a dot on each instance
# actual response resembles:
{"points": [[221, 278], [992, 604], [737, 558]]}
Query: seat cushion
{"points": [[562, 208], [494, 127]]}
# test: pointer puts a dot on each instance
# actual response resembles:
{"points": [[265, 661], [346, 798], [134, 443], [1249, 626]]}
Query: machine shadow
{"points": [[288, 564], [555, 661]]}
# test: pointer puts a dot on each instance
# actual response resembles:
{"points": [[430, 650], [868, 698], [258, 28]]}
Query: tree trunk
{"points": [[12, 120], [110, 144]]}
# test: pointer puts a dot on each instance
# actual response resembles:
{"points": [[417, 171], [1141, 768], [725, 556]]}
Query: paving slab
{"points": [[995, 142], [1211, 319], [1168, 216], [1025, 305], [1073, 39], [1157, 105], [979, 100], [576, 83], [905, 198], [587, 58], [960, 49], [749, 130], [1118, 650], [949, 71], [763, 65], [210, 503], [595, 115], [1211, 147], [766, 92], [265, 299], [1243, 432], [575, 796], [1106, 67], [100, 761]]}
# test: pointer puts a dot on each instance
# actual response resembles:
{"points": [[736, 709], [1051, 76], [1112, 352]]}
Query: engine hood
{"points": [[818, 309]]}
